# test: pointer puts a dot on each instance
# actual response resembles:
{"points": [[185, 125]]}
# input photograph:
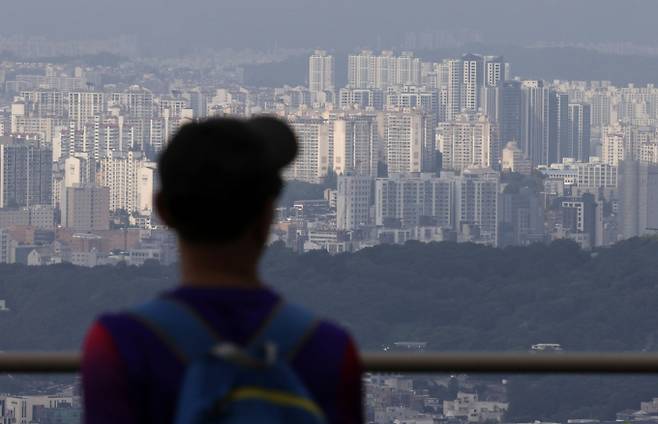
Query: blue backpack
{"points": [[228, 384]]}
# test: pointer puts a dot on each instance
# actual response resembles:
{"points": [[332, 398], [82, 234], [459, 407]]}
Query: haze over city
{"points": [[161, 24], [472, 176]]}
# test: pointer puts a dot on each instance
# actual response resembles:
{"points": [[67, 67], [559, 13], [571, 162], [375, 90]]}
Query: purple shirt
{"points": [[130, 376]]}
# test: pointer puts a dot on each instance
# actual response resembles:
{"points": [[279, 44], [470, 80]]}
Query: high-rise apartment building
{"points": [[601, 110], [495, 71], [146, 185], [46, 103], [473, 81], [535, 113], [353, 201], [25, 173], [638, 191], [409, 199], [649, 152], [514, 160], [559, 135], [321, 72], [99, 137], [138, 102], [596, 174], [521, 218], [79, 169], [413, 97], [578, 146], [312, 161], [613, 148], [361, 98], [468, 141], [355, 145], [84, 105], [5, 248], [86, 208], [360, 70], [121, 173], [509, 100], [367, 70], [476, 203], [453, 72], [405, 141]]}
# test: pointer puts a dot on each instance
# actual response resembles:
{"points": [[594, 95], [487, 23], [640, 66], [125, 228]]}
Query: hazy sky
{"points": [[330, 23]]}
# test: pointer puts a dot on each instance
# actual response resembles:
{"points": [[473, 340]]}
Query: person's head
{"points": [[219, 179]]}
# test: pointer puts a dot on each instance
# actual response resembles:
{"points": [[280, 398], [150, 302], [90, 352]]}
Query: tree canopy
{"points": [[453, 296]]}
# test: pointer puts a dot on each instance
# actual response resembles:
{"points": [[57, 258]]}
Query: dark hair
{"points": [[217, 175]]}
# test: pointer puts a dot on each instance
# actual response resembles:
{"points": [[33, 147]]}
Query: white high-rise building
{"points": [[467, 142], [136, 101], [514, 160], [613, 149], [24, 120], [353, 200], [635, 136], [495, 71], [473, 81], [360, 98], [415, 97], [454, 70], [45, 103], [146, 184], [596, 174], [321, 72], [404, 141], [99, 137], [312, 162], [121, 172], [355, 145], [79, 169], [649, 152], [366, 70], [84, 105], [360, 70]]}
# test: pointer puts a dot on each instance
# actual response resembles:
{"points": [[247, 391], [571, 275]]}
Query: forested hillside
{"points": [[454, 296]]}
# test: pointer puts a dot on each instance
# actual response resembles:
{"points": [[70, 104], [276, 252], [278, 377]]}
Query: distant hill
{"points": [[549, 63], [454, 296]]}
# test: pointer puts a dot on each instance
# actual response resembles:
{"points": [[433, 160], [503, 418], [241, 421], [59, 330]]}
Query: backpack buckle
{"points": [[265, 356], [271, 353]]}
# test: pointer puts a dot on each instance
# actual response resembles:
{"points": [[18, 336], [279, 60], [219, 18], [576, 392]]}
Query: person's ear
{"points": [[163, 211]]}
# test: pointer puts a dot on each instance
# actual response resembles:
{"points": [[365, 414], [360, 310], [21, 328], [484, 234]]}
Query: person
{"points": [[219, 180]]}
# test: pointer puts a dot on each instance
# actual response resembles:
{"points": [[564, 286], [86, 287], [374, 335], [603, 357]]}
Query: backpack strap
{"points": [[178, 326], [288, 327]]}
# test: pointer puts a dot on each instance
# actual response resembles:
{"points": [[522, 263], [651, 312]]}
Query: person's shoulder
{"points": [[121, 327], [331, 331], [117, 322], [328, 340], [323, 327]]}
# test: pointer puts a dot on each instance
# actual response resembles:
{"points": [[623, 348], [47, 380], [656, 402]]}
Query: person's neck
{"points": [[210, 266]]}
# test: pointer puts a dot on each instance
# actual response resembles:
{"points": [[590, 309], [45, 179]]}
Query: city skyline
{"points": [[476, 175], [398, 118]]}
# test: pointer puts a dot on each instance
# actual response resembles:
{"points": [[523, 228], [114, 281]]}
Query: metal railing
{"points": [[455, 362]]}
